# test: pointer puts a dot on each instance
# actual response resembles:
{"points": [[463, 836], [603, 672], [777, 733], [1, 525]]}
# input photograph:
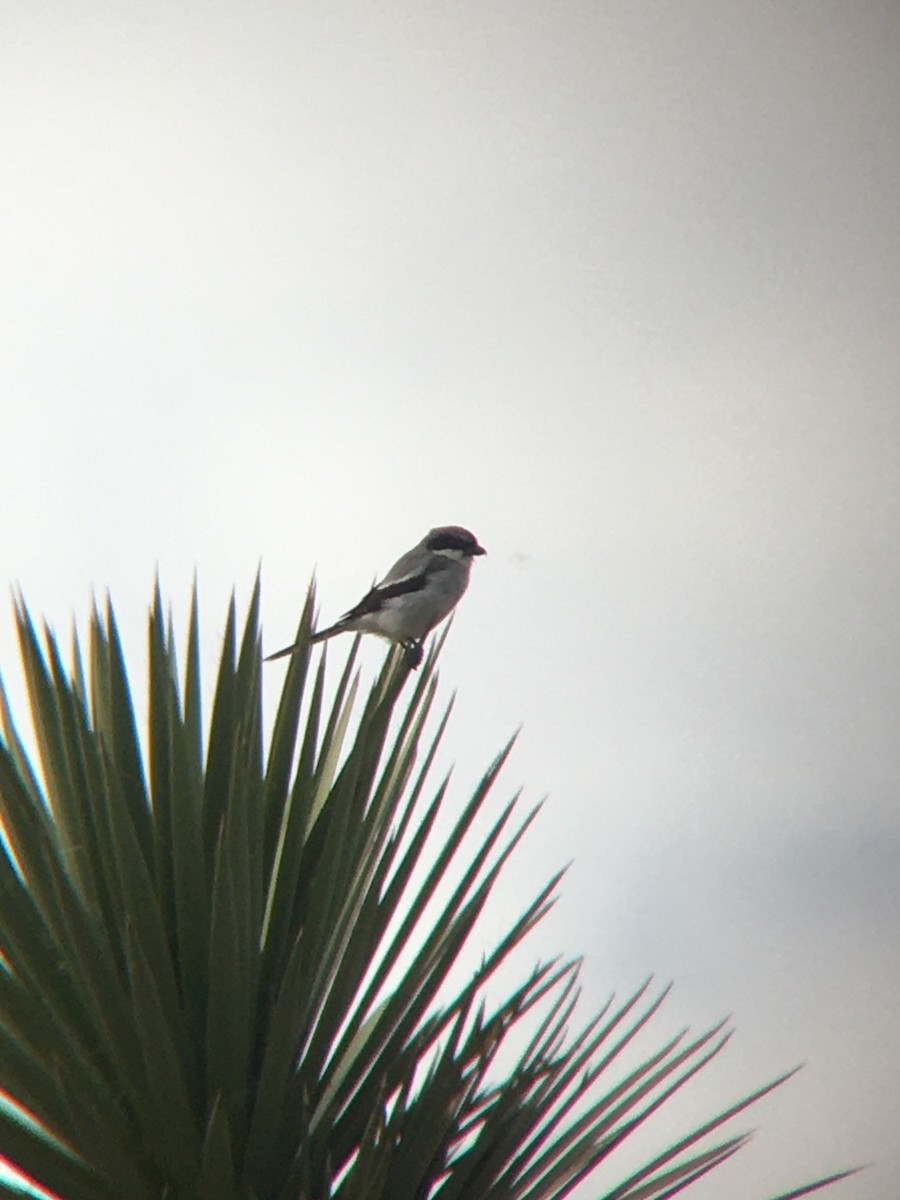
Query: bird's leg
{"points": [[412, 653]]}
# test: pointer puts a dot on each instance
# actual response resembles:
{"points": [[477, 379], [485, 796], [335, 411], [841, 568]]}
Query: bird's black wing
{"points": [[374, 599]]}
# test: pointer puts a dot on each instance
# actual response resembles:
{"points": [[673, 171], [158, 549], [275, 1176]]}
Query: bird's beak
{"points": [[478, 549]]}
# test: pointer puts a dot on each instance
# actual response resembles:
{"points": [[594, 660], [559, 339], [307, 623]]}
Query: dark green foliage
{"points": [[224, 974]]}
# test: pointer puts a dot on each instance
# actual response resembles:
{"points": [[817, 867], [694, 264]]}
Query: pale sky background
{"points": [[614, 284]]}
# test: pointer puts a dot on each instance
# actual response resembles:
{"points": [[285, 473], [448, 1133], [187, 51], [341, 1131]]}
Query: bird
{"points": [[422, 588]]}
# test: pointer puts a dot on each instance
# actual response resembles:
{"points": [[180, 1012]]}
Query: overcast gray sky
{"points": [[615, 284]]}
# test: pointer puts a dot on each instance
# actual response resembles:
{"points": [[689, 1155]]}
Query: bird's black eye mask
{"points": [[452, 541]]}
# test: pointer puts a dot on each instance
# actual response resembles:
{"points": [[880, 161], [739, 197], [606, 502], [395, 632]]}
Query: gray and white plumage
{"points": [[419, 591]]}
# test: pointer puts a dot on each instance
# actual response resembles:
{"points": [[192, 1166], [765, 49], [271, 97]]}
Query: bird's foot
{"points": [[412, 654]]}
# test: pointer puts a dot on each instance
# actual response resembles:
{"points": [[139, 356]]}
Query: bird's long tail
{"points": [[316, 637], [281, 653], [329, 632]]}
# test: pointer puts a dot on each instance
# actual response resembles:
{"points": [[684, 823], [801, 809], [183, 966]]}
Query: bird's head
{"points": [[454, 542]]}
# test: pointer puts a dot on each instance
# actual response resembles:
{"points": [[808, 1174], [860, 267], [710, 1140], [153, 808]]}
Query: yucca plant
{"points": [[225, 967]]}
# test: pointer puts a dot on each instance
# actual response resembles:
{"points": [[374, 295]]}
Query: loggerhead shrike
{"points": [[419, 590]]}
